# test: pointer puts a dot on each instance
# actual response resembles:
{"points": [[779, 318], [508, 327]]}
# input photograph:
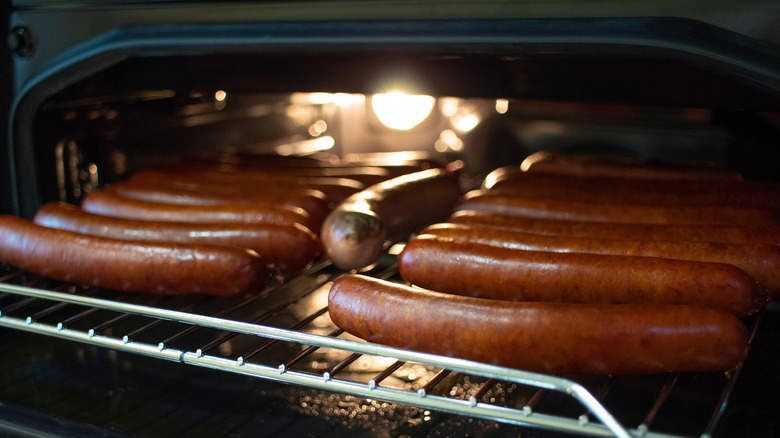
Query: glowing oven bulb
{"points": [[401, 111]]}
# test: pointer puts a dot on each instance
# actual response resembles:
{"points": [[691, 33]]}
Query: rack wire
{"points": [[286, 336]]}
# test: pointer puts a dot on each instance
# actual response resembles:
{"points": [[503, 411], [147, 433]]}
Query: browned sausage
{"points": [[108, 204], [670, 192], [164, 268], [289, 247], [311, 201], [609, 190], [540, 337], [419, 159], [365, 174], [625, 213], [762, 262], [693, 233], [269, 159], [624, 167], [355, 232], [484, 271], [335, 189]]}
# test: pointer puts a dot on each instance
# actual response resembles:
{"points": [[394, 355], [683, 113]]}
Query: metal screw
{"points": [[23, 41]]}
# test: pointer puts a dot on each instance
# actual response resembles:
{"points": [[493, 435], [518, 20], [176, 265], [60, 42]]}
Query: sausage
{"points": [[540, 337], [104, 203], [625, 213], [164, 268], [762, 262], [311, 201], [484, 271], [613, 190], [288, 247], [368, 175], [744, 193], [269, 159], [419, 159], [355, 232], [335, 189], [623, 167], [692, 233]]}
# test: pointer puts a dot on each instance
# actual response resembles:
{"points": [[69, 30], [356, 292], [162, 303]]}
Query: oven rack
{"points": [[44, 301]]}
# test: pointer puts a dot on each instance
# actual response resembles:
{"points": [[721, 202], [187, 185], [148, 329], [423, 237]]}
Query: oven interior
{"points": [[119, 364]]}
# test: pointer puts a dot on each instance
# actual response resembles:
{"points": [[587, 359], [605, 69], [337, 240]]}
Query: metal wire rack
{"points": [[284, 334]]}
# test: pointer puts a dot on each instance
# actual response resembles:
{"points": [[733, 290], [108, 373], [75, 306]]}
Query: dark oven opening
{"points": [[90, 361]]}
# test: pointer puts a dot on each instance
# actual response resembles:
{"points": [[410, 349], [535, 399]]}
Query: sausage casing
{"points": [[355, 232], [312, 201], [108, 204], [612, 190], [335, 189], [761, 262], [619, 212], [624, 167], [164, 268], [289, 247], [541, 337], [693, 233], [466, 268]]}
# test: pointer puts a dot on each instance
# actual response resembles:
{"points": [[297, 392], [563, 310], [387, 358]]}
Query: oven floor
{"points": [[50, 387]]}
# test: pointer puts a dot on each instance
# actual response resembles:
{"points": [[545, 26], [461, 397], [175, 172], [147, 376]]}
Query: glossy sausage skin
{"points": [[761, 262], [131, 265], [355, 232], [366, 175], [540, 337], [312, 201], [623, 167], [335, 189], [618, 212], [288, 247], [466, 268], [692, 233], [612, 190], [108, 204], [743, 193]]}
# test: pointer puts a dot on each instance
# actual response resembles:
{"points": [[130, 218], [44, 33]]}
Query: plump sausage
{"points": [[335, 189], [164, 268], [368, 175], [762, 262], [617, 212], [614, 190], [484, 271], [259, 159], [694, 233], [312, 201], [541, 337], [108, 204], [355, 232], [289, 247], [624, 167]]}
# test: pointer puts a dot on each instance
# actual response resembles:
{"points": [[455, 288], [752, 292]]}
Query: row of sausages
{"points": [[217, 226], [536, 271]]}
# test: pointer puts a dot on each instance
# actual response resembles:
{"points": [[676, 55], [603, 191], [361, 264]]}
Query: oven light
{"points": [[398, 110], [502, 106]]}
